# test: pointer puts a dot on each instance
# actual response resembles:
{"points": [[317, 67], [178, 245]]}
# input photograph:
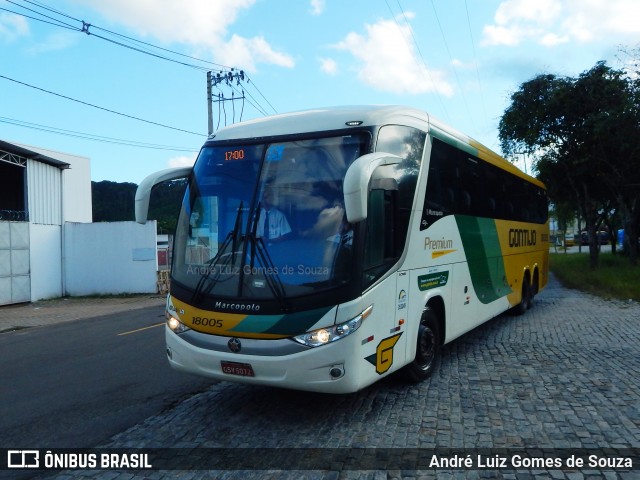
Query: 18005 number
{"points": [[206, 322]]}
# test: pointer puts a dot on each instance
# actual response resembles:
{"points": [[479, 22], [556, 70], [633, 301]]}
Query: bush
{"points": [[614, 277]]}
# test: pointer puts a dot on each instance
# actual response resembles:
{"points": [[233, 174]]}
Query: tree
{"points": [[114, 202], [164, 204], [583, 135], [613, 128]]}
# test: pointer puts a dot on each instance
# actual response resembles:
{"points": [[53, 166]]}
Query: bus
{"points": [[326, 249]]}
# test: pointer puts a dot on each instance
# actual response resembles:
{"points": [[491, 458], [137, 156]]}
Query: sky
{"points": [[76, 77]]}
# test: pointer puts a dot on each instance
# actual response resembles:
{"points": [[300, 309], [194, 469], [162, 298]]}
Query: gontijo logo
{"points": [[519, 237]]}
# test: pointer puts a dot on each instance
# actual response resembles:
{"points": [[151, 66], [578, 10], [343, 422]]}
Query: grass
{"points": [[614, 277]]}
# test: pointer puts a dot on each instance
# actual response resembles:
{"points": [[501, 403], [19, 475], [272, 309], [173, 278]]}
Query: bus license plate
{"points": [[235, 368]]}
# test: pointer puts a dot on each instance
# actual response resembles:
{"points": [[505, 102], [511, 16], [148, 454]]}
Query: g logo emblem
{"points": [[383, 358], [384, 354]]}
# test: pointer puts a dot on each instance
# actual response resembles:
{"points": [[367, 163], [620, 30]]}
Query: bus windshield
{"points": [[267, 221]]}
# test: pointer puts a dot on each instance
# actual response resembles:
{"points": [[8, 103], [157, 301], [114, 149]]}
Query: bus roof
{"points": [[339, 118], [315, 120]]}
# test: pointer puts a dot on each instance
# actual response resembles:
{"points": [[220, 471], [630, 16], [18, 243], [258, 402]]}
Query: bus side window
{"points": [[460, 184], [408, 143], [491, 207], [443, 195], [380, 242], [449, 199], [465, 206]]}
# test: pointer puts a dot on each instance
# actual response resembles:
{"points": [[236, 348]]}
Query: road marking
{"points": [[141, 329]]}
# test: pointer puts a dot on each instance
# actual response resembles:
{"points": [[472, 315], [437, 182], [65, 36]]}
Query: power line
{"points": [[475, 56], [232, 80], [455, 70], [252, 101], [100, 108], [140, 50], [134, 44], [87, 27], [38, 13], [258, 90], [39, 19], [424, 63], [223, 67], [92, 137], [53, 10]]}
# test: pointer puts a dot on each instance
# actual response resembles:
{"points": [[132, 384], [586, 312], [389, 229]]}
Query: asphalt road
{"points": [[74, 385]]}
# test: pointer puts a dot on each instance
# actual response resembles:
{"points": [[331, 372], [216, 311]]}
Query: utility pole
{"points": [[219, 81], [209, 105]]}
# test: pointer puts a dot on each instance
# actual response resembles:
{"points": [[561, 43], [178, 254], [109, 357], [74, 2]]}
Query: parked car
{"points": [[603, 237], [569, 240]]}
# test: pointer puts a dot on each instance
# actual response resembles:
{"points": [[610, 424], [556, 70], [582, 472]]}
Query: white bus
{"points": [[323, 250]]}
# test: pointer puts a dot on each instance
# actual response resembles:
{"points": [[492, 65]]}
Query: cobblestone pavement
{"points": [[563, 376]]}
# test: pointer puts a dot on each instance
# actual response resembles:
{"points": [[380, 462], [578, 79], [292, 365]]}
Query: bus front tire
{"points": [[427, 349]]}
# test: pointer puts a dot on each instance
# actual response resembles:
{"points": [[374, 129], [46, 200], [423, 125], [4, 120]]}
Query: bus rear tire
{"points": [[535, 288], [427, 348], [526, 300]]}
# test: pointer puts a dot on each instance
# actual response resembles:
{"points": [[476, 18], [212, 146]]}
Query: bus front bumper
{"points": [[331, 368]]}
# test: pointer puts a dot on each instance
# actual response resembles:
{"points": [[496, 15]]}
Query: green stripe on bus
{"points": [[289, 324], [297, 323], [484, 257]]}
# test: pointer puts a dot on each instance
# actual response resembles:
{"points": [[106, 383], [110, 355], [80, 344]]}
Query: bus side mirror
{"points": [[143, 193], [356, 183]]}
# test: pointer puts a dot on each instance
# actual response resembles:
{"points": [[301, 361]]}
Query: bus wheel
{"points": [[535, 287], [526, 300], [427, 350]]}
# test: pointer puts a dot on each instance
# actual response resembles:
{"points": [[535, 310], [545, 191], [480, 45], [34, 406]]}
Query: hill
{"points": [[114, 202]]}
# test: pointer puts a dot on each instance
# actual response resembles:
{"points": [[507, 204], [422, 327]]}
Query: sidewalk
{"points": [[49, 312]]}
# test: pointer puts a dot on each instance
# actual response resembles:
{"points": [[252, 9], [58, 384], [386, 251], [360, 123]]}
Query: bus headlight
{"points": [[326, 335], [175, 325]]}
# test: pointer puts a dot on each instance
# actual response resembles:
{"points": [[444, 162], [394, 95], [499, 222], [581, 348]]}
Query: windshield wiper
{"points": [[270, 271], [232, 238], [253, 234]]}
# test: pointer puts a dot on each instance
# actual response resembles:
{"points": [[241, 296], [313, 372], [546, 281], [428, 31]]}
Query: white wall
{"points": [[77, 190], [46, 261], [110, 258]]}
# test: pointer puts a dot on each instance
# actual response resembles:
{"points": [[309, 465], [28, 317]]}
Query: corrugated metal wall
{"points": [[44, 187]]}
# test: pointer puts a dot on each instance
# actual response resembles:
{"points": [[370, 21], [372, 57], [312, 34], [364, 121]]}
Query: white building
{"points": [[45, 227]]}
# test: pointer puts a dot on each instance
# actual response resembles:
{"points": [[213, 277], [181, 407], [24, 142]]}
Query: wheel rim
{"points": [[426, 348]]}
